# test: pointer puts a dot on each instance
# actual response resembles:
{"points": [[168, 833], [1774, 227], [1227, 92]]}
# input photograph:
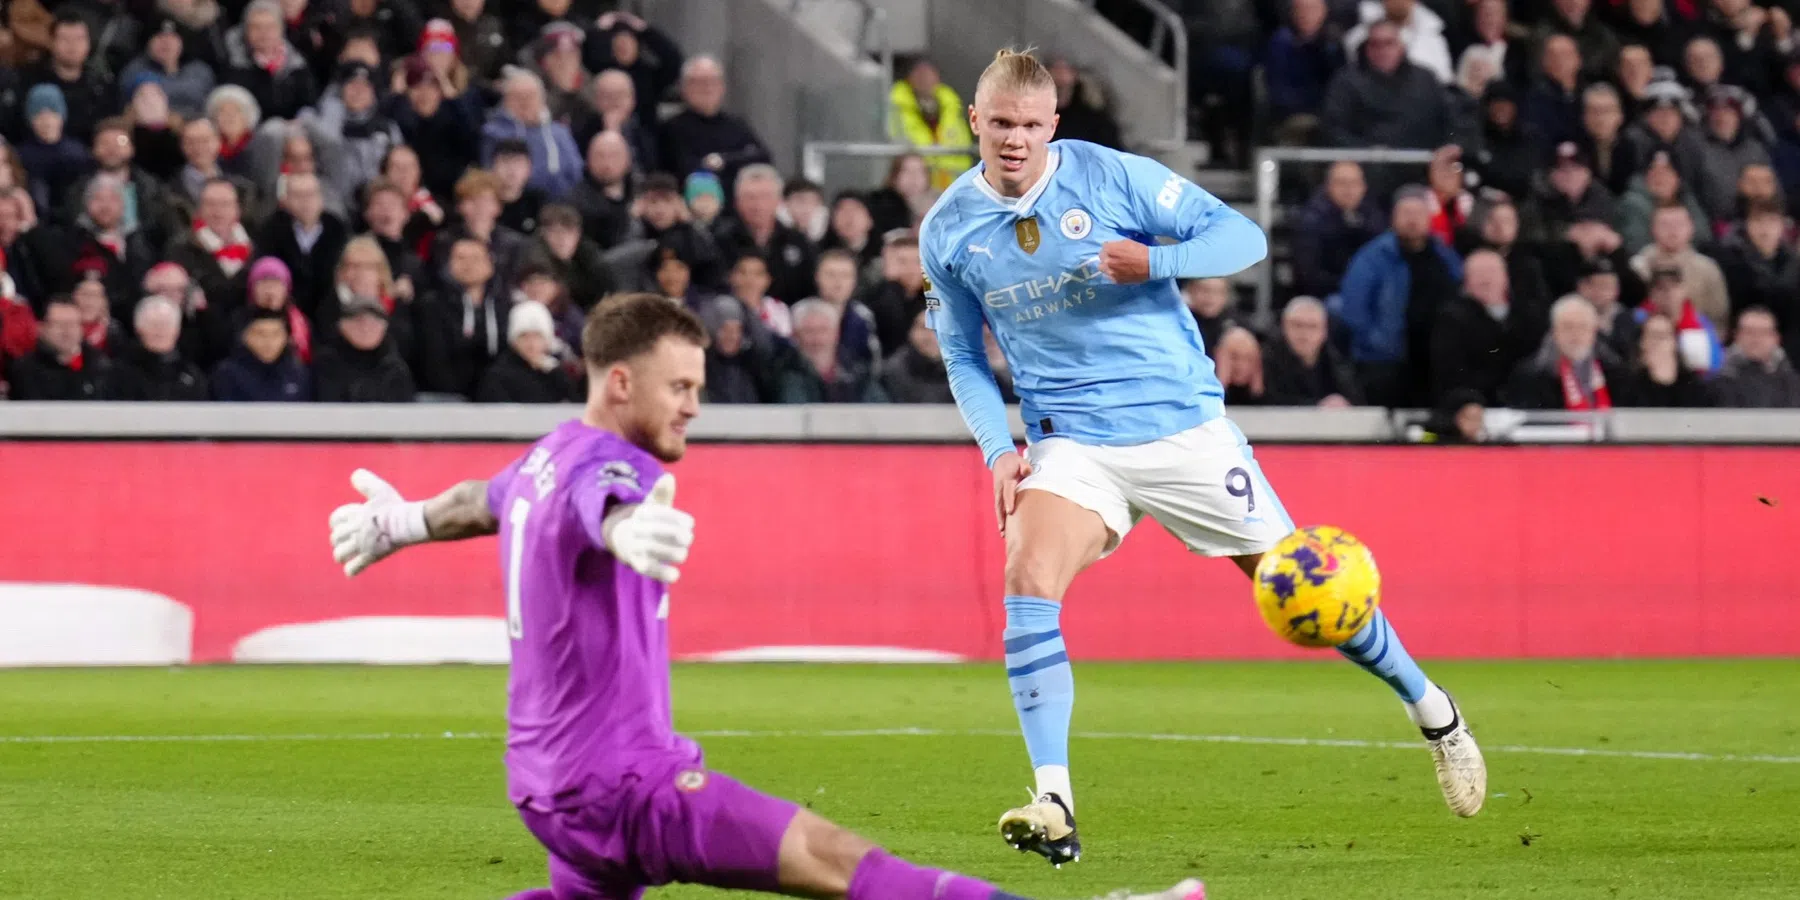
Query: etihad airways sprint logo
{"points": [[1066, 288]]}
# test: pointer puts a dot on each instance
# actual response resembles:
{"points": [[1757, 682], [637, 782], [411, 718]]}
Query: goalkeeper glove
{"points": [[363, 534], [651, 537]]}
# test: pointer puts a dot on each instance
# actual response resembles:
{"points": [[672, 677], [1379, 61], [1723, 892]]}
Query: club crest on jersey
{"points": [[690, 781], [1026, 230], [619, 472], [1076, 224]]}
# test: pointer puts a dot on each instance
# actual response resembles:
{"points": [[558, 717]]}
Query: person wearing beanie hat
{"points": [[558, 57], [53, 158], [187, 84], [272, 288], [529, 371], [705, 197], [45, 98]]}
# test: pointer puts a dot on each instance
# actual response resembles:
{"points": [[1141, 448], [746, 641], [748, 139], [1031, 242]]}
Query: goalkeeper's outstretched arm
{"points": [[460, 512], [363, 534]]}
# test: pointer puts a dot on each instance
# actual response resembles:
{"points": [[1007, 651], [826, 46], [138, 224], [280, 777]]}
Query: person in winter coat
{"points": [[1301, 368], [360, 364], [605, 195], [1333, 225], [1389, 301], [1660, 185], [915, 373], [217, 252], [528, 371], [1762, 270], [612, 106], [755, 228], [1384, 100], [1757, 373], [1300, 59], [822, 372], [104, 244], [744, 360], [925, 112], [271, 288], [78, 75], [18, 326], [259, 58], [1510, 150], [1663, 127], [1571, 371], [185, 79], [152, 367], [556, 164], [1658, 378], [263, 368], [1418, 28], [449, 126], [1672, 246], [53, 159], [571, 258], [62, 367], [349, 116], [1570, 192], [308, 241], [1477, 339], [462, 327], [1731, 142], [1696, 339], [703, 136], [626, 43]]}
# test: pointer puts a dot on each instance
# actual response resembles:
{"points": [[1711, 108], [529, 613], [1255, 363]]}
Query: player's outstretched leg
{"points": [[1049, 540], [1461, 771]]}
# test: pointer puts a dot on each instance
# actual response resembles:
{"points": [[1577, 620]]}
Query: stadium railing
{"points": [[816, 157]]}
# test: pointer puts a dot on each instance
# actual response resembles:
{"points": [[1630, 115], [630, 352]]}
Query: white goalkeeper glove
{"points": [[363, 534], [651, 537]]}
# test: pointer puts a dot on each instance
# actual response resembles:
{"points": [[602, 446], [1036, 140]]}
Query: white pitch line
{"points": [[1248, 740]]}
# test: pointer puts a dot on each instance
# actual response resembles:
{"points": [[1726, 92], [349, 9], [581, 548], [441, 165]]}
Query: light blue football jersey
{"points": [[1092, 360]]}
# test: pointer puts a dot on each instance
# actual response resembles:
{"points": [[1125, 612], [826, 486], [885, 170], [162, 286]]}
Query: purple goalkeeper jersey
{"points": [[589, 688]]}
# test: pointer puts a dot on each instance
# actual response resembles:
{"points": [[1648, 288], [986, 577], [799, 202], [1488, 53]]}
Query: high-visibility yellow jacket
{"points": [[908, 124]]}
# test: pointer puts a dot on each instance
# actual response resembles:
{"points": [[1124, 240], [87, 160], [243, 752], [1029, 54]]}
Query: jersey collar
{"points": [[1021, 206]]}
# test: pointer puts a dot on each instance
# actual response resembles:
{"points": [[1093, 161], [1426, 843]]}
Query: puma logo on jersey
{"points": [[1171, 192], [982, 248]]}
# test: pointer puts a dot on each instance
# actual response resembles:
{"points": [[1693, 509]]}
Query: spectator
{"points": [[915, 373], [1451, 197], [1479, 337], [1384, 100], [478, 206], [1599, 285], [905, 195], [480, 38], [1703, 65], [614, 108], [153, 368], [749, 282], [424, 214], [1083, 109], [102, 246], [1334, 224], [202, 33], [1645, 28], [1500, 39], [1511, 149], [1240, 367], [802, 207], [1660, 185], [754, 228], [1695, 337], [1554, 103], [520, 202], [88, 93], [1672, 245], [556, 56], [308, 241], [1459, 418], [1756, 186], [640, 50], [145, 208], [539, 285], [522, 115], [1300, 60], [1593, 41], [1762, 269], [1659, 378], [1757, 373], [61, 367], [385, 213], [703, 135], [673, 273], [1570, 192], [185, 79], [835, 278], [705, 198], [927, 113], [899, 296], [823, 372], [1391, 294], [361, 364], [200, 148], [742, 360], [1663, 129], [234, 112], [263, 368], [217, 250], [99, 331], [1730, 146], [663, 219], [1473, 75], [155, 137], [363, 272], [571, 259], [53, 159], [426, 117], [394, 26], [851, 228], [1636, 74], [271, 288], [1418, 29], [1300, 368], [605, 194], [259, 58], [528, 372], [206, 331], [1496, 228], [1209, 301], [18, 327], [1570, 371], [1601, 142], [351, 119], [460, 331]]}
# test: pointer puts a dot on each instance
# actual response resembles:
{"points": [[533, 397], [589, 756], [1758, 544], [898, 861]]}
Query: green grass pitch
{"points": [[342, 783]]}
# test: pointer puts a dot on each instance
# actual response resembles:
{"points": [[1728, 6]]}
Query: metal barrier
{"points": [[1268, 187], [815, 154], [1169, 30]]}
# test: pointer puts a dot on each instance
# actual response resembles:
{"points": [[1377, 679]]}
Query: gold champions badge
{"points": [[1026, 230]]}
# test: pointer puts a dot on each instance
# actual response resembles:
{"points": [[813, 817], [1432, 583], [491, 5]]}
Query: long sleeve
{"points": [[1215, 240], [955, 314]]}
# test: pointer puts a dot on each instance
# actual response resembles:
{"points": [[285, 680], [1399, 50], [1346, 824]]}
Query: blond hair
{"points": [[366, 246], [1014, 71]]}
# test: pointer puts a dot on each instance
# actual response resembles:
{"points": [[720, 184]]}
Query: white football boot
{"points": [[1461, 771], [1190, 889]]}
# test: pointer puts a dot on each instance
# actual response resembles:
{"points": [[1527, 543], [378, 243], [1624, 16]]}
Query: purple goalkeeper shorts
{"points": [[658, 822]]}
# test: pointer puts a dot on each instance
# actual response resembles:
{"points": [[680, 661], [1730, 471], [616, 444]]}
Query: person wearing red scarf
{"points": [[18, 327], [271, 286], [1572, 371], [217, 251], [60, 368]]}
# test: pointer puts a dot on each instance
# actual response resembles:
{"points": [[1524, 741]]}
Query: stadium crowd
{"points": [[383, 200]]}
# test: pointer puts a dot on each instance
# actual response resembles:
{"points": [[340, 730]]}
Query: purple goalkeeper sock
{"points": [[535, 894], [883, 876]]}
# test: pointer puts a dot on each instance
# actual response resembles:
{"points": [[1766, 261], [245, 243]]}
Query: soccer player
{"points": [[1053, 247], [589, 543]]}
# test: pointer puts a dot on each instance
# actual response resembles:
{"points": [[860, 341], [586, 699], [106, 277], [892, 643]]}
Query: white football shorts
{"points": [[1203, 485]]}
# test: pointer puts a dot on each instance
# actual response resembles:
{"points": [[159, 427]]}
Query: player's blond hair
{"points": [[1014, 71]]}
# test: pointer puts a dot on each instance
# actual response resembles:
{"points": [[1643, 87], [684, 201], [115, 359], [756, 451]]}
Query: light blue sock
{"points": [[1377, 649], [1037, 668]]}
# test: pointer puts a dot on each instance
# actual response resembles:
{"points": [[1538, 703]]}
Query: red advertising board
{"points": [[1489, 552]]}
